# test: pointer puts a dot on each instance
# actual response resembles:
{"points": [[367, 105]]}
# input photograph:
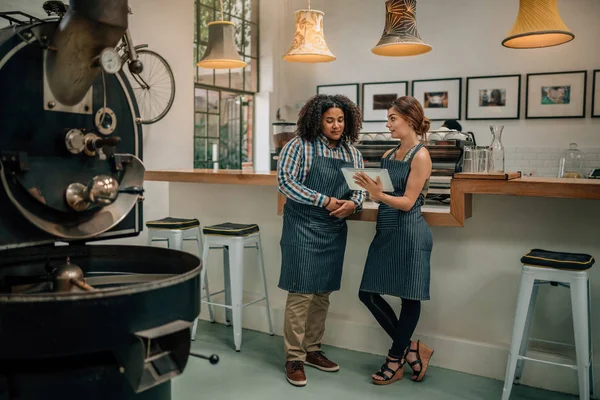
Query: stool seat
{"points": [[173, 223], [231, 229], [559, 260]]}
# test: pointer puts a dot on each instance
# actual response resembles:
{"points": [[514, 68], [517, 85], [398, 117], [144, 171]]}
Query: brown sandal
{"points": [[424, 354], [395, 375]]}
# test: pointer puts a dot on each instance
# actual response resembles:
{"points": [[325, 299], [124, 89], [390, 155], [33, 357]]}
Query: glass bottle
{"points": [[496, 149], [571, 163]]}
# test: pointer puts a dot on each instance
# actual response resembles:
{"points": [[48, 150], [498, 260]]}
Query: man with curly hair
{"points": [[313, 239]]}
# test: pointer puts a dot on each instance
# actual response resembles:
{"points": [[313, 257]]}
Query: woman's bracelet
{"points": [[328, 201]]}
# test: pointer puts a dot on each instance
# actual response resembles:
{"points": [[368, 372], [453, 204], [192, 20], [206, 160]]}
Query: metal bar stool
{"points": [[233, 239], [569, 270], [175, 231]]}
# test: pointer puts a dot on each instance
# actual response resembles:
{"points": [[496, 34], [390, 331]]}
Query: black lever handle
{"points": [[213, 359], [99, 143], [132, 190]]}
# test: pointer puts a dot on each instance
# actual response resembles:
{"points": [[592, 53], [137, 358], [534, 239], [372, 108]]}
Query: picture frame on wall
{"points": [[377, 96], [350, 90], [556, 95], [493, 97], [596, 94], [441, 98]]}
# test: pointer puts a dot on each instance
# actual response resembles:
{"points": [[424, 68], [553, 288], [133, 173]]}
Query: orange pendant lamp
{"points": [[221, 52], [309, 44], [400, 36], [538, 25]]}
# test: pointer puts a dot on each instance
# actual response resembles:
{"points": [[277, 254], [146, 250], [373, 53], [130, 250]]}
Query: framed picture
{"points": [[441, 98], [377, 96], [350, 90], [494, 97], [596, 95], [556, 95]]}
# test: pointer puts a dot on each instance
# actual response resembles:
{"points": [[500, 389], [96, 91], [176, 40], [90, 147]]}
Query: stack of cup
{"points": [[476, 159]]}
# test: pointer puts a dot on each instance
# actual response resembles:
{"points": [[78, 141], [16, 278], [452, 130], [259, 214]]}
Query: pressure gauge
{"points": [[110, 60]]}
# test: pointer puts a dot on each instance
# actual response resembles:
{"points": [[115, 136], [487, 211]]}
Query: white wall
{"points": [[466, 37]]}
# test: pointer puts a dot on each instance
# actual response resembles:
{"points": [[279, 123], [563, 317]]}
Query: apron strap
{"points": [[392, 154], [413, 151], [347, 146]]}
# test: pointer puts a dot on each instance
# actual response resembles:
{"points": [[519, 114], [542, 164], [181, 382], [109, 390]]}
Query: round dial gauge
{"points": [[110, 61]]}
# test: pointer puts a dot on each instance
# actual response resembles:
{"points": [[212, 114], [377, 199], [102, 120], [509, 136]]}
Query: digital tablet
{"points": [[372, 173]]}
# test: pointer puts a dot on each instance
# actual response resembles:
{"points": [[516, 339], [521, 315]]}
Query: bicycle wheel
{"points": [[154, 87]]}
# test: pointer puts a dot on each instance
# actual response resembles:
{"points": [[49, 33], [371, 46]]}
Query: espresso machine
{"points": [[81, 321], [446, 156], [283, 132]]}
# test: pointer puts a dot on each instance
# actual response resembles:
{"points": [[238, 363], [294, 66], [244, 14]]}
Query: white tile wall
{"points": [[543, 161]]}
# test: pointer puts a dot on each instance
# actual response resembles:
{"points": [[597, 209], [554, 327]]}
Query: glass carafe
{"points": [[571, 163], [496, 149]]}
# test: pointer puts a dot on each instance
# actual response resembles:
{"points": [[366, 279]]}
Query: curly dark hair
{"points": [[309, 119]]}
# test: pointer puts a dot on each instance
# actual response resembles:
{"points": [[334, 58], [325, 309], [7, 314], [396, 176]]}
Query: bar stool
{"points": [[233, 239], [175, 231], [569, 270]]}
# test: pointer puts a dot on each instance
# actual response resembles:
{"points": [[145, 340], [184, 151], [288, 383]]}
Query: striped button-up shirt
{"points": [[294, 165]]}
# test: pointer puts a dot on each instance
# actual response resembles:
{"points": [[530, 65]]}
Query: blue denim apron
{"points": [[312, 242], [398, 262]]}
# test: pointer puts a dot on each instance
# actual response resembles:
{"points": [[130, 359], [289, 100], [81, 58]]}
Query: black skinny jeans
{"points": [[399, 329]]}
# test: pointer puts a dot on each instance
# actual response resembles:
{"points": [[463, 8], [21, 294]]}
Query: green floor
{"points": [[257, 373]]}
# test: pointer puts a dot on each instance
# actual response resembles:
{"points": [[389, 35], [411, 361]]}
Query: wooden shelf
{"points": [[222, 176]]}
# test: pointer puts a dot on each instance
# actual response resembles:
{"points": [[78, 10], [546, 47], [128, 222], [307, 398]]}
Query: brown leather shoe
{"points": [[294, 371], [318, 360]]}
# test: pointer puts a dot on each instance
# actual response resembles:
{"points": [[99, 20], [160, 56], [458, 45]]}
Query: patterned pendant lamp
{"points": [[309, 44], [400, 36], [221, 52], [538, 25]]}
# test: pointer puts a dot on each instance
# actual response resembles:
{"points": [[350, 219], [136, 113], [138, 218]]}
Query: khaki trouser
{"points": [[304, 324]]}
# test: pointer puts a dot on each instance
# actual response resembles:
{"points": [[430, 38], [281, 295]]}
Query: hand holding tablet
{"points": [[372, 173]]}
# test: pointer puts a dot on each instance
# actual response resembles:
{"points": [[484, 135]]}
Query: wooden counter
{"points": [[461, 189]]}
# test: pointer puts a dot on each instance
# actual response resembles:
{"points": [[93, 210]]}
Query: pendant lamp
{"points": [[221, 52], [400, 36], [538, 24], [309, 44]]}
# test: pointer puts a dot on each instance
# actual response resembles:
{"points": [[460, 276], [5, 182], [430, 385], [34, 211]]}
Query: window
{"points": [[224, 99]]}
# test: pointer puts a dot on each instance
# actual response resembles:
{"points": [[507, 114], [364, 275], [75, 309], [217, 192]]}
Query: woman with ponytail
{"points": [[399, 255]]}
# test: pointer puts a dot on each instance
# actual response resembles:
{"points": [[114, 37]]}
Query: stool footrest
{"points": [[551, 342], [572, 366], [215, 293], [228, 306]]}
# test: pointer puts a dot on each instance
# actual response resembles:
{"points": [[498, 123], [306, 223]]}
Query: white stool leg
{"points": [[227, 284], [203, 284], [261, 268], [237, 282], [150, 237], [204, 276], [527, 335], [523, 301], [176, 240], [592, 376], [204, 279], [579, 305]]}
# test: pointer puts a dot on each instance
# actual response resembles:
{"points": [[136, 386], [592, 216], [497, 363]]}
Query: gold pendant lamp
{"points": [[309, 44], [221, 52], [400, 36], [538, 25]]}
